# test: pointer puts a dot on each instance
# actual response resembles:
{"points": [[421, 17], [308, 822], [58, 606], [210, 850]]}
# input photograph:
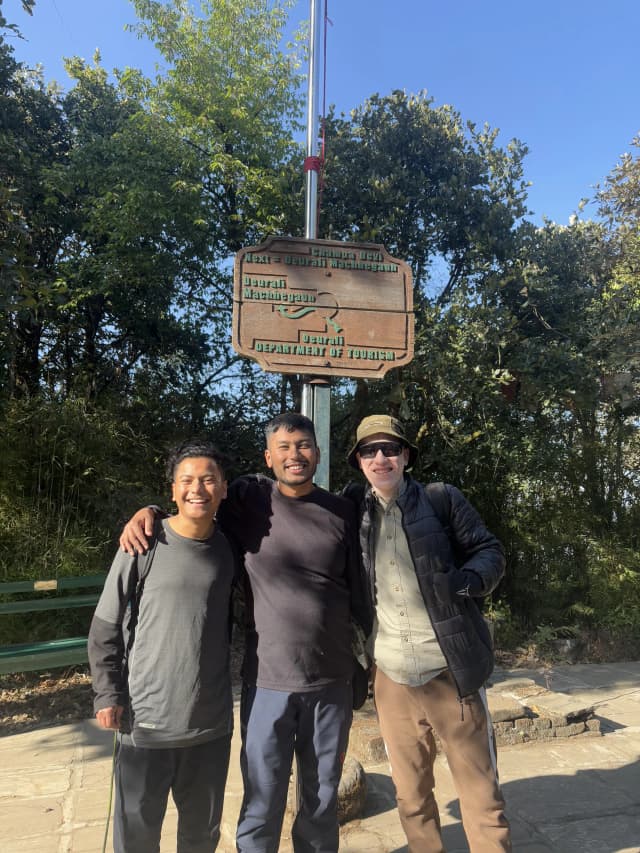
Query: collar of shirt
{"points": [[385, 504]]}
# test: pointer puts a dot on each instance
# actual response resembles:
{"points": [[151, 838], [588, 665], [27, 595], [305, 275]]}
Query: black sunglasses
{"points": [[388, 448]]}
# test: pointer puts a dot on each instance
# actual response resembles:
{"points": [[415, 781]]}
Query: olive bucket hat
{"points": [[374, 424]]}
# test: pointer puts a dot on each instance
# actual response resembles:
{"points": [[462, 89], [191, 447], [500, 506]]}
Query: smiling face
{"points": [[293, 457], [198, 489], [384, 473]]}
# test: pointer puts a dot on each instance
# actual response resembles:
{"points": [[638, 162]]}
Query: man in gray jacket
{"points": [[428, 557], [171, 704]]}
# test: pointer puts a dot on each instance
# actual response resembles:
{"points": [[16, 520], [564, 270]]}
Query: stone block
{"points": [[48, 781], [352, 791], [506, 713], [542, 734], [554, 719], [541, 723], [533, 690], [560, 707], [511, 738], [365, 740], [39, 817], [523, 724], [505, 710], [570, 730], [512, 686]]}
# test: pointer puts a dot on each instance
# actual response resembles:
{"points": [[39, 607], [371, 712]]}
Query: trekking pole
{"points": [[110, 803]]}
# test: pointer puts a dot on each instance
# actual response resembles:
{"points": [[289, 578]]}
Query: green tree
{"points": [[32, 137], [523, 389], [508, 395], [433, 189], [234, 93], [152, 190], [437, 192], [620, 208], [119, 222]]}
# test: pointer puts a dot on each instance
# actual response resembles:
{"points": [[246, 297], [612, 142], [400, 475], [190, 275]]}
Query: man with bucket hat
{"points": [[428, 557]]}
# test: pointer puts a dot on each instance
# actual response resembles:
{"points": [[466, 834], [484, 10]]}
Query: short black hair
{"points": [[191, 448], [290, 421]]}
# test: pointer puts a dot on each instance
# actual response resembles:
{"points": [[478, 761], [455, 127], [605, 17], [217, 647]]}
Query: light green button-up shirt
{"points": [[403, 643]]}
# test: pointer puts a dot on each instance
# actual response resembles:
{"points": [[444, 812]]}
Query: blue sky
{"points": [[563, 76]]}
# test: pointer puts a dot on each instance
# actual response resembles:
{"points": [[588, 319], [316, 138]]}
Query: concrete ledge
{"points": [[524, 711]]}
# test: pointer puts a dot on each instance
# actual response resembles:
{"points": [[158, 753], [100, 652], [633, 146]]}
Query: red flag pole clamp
{"points": [[312, 164]]}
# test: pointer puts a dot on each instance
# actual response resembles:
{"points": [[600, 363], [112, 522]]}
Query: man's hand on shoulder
{"points": [[134, 538]]}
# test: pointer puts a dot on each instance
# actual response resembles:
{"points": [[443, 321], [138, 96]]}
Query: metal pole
{"points": [[313, 100], [316, 394], [316, 404]]}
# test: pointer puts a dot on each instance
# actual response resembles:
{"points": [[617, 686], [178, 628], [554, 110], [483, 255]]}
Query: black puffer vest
{"points": [[460, 628]]}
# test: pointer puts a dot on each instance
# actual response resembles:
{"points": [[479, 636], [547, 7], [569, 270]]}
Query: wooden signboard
{"points": [[322, 307]]}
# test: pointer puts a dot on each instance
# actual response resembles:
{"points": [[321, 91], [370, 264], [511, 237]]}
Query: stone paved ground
{"points": [[574, 794]]}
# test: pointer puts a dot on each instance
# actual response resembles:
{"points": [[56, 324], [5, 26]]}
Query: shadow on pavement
{"points": [[589, 811]]}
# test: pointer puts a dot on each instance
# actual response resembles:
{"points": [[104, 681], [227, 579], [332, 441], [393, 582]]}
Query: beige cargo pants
{"points": [[408, 717]]}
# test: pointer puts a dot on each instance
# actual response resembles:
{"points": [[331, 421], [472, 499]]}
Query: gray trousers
{"points": [[195, 775]]}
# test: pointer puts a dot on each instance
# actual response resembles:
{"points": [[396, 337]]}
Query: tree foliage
{"points": [[126, 199], [524, 386], [233, 92], [123, 201], [436, 191]]}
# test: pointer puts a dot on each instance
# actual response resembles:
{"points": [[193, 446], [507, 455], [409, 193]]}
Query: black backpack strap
{"points": [[440, 500], [441, 503], [143, 566], [355, 492], [140, 570]]}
